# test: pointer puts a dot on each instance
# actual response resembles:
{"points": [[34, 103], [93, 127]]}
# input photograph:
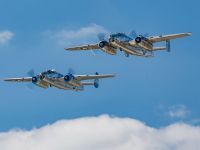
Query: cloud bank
{"points": [[80, 35], [103, 133], [5, 36], [178, 111]]}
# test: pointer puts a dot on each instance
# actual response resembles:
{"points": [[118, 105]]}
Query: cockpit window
{"points": [[51, 71], [52, 74], [121, 37]]}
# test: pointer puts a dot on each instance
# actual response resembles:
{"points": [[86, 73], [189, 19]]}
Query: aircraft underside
{"points": [[133, 50], [64, 85]]}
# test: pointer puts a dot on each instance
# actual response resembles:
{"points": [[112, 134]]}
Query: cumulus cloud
{"points": [[102, 133], [178, 111], [5, 36], [81, 35]]}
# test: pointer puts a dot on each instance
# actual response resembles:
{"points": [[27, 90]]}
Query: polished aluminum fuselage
{"points": [[52, 78], [129, 46]]}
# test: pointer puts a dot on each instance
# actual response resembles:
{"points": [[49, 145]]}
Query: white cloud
{"points": [[102, 133], [81, 35], [178, 111], [5, 36]]}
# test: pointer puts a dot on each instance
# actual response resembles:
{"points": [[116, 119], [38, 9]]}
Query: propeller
{"points": [[145, 35], [30, 86], [71, 71], [30, 73], [101, 36], [70, 75], [94, 52], [133, 34], [96, 81]]}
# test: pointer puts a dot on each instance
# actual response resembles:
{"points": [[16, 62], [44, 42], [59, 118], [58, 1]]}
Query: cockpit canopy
{"points": [[120, 37], [51, 71]]}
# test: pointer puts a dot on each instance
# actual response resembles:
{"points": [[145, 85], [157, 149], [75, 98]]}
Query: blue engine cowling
{"points": [[106, 47], [102, 44], [68, 77], [138, 39], [35, 79]]}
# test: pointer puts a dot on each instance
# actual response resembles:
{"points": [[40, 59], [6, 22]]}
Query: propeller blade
{"points": [[31, 73], [101, 36], [71, 71], [30, 86], [94, 52], [145, 35], [133, 34]]}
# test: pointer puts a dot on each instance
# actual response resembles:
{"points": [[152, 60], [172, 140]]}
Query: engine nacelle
{"points": [[102, 44], [68, 78], [138, 39], [35, 79], [106, 47], [143, 42]]}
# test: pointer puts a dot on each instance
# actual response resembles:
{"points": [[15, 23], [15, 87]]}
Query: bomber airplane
{"points": [[52, 78], [132, 44]]}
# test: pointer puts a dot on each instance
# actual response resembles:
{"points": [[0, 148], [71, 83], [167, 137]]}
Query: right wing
{"points": [[25, 79], [91, 77], [169, 37], [84, 47]]}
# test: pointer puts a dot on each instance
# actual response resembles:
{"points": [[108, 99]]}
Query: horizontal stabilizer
{"points": [[159, 48], [87, 83]]}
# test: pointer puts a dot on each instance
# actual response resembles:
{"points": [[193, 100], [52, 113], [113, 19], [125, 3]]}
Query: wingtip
{"points": [[189, 33], [5, 80], [112, 75]]}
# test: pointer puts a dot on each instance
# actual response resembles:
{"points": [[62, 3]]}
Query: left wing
{"points": [[90, 77], [84, 47], [169, 37], [25, 79]]}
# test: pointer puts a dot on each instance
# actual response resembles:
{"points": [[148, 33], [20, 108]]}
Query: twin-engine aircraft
{"points": [[51, 78], [133, 44]]}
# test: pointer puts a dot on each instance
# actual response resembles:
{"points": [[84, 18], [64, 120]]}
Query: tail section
{"points": [[168, 47], [96, 81]]}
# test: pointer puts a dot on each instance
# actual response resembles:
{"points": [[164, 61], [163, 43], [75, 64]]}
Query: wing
{"points": [[84, 47], [168, 37], [25, 79], [90, 77]]}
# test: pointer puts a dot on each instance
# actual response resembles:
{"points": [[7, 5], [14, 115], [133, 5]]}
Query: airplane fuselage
{"points": [[132, 44], [133, 48], [140, 46], [52, 78]]}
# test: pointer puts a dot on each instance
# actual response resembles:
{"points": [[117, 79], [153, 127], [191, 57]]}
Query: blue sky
{"points": [[157, 91]]}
